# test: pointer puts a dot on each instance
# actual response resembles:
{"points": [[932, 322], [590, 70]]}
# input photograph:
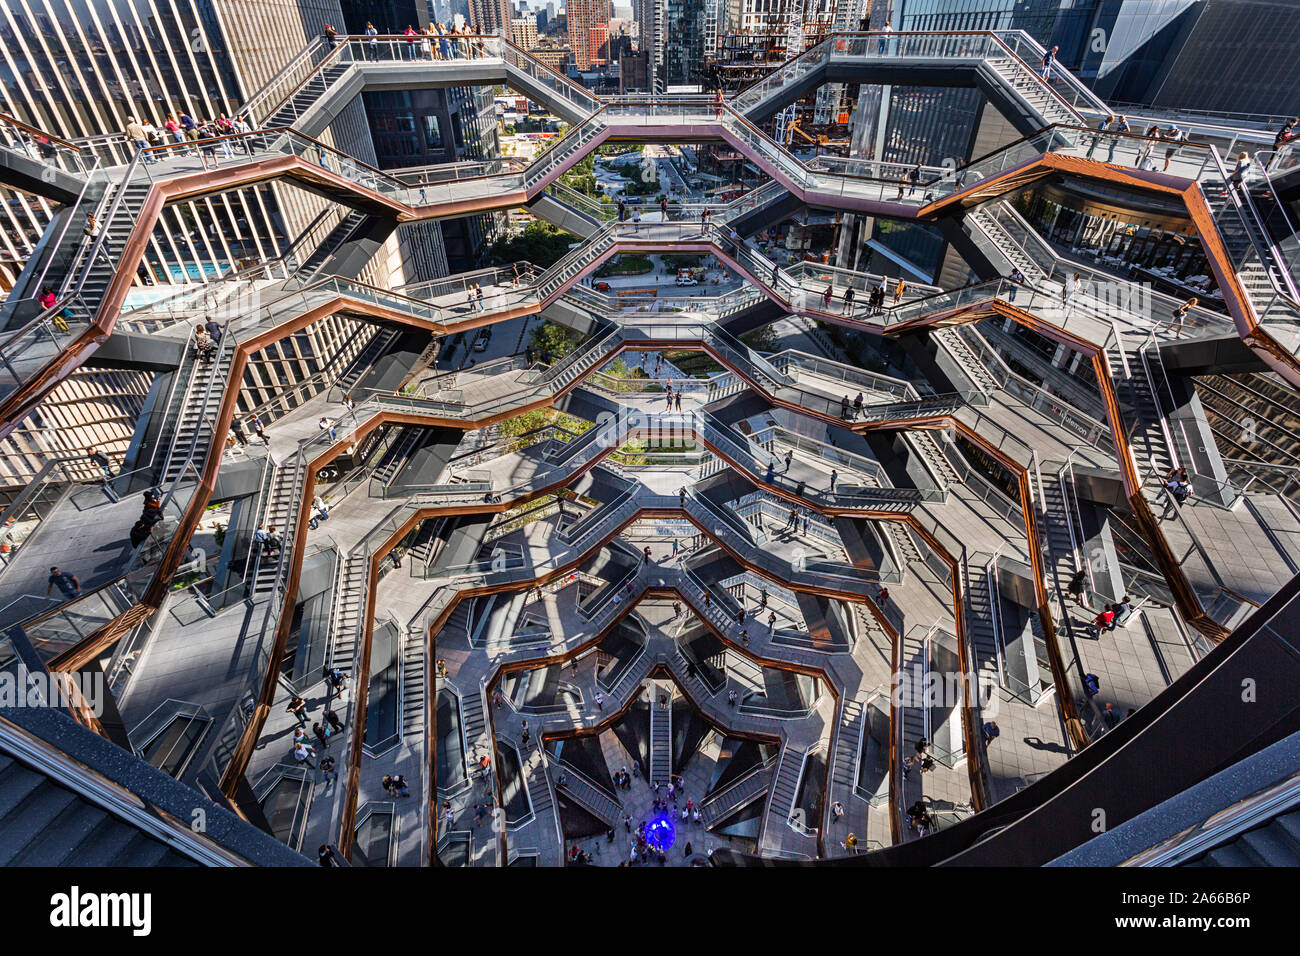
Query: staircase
{"points": [[398, 454], [737, 795], [473, 722], [912, 712], [1023, 80], [785, 786], [348, 608], [633, 676], [848, 744], [314, 266], [458, 623], [374, 350], [661, 742], [198, 415], [1147, 436], [280, 513], [565, 372], [983, 218], [957, 347], [413, 685], [585, 794], [43, 823], [936, 461], [1243, 238], [698, 687], [71, 256], [981, 627], [289, 112]]}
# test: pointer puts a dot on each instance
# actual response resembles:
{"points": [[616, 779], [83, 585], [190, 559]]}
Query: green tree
{"points": [[540, 243], [551, 342]]}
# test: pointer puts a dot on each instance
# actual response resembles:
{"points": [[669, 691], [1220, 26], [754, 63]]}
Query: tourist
{"points": [[1017, 279], [1120, 127], [302, 754], [1238, 175], [1049, 59], [1179, 317], [69, 585], [1175, 137]]}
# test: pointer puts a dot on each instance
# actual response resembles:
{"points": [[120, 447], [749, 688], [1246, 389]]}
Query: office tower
{"points": [[634, 72], [598, 44], [1228, 55], [81, 70], [582, 16], [490, 17], [523, 31], [683, 46]]}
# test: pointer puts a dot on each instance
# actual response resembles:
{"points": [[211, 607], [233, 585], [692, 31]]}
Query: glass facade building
{"points": [[1230, 56]]}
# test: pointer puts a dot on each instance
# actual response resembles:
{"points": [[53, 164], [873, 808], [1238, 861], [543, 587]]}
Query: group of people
{"points": [[797, 521], [673, 399], [47, 301], [849, 411], [474, 298], [1112, 616], [1171, 137], [268, 541], [254, 424], [921, 758], [876, 296], [436, 41], [207, 338], [207, 135]]}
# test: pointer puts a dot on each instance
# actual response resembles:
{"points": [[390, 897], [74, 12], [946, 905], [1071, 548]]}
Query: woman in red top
{"points": [[717, 105]]}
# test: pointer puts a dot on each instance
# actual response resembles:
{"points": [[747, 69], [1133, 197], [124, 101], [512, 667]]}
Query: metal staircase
{"points": [[661, 742], [751, 786], [349, 607], [582, 791], [848, 743], [413, 684], [785, 789]]}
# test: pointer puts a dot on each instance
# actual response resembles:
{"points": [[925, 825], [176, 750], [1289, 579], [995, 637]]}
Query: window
{"points": [[432, 132]]}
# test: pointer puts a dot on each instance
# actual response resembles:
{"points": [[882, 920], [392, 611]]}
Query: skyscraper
{"points": [[81, 69], [490, 17], [523, 31], [582, 16]]}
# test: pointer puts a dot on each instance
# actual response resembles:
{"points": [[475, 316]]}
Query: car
{"points": [[481, 343], [687, 280], [601, 287]]}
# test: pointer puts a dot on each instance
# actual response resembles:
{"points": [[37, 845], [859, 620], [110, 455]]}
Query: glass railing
{"points": [[1068, 88], [42, 147], [837, 371], [1103, 292], [951, 47], [27, 350]]}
